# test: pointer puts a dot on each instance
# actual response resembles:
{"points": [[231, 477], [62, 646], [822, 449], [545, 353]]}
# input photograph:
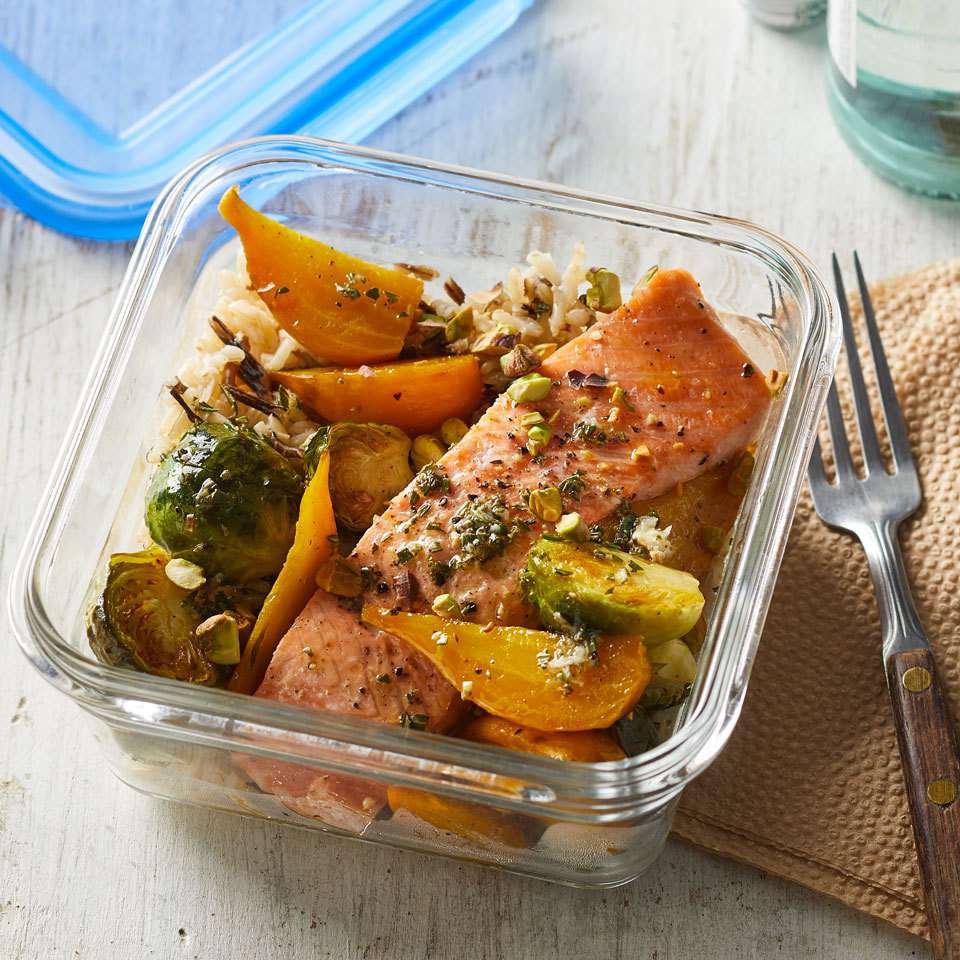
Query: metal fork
{"points": [[872, 509]]}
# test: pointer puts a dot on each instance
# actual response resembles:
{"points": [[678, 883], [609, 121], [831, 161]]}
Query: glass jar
{"points": [[786, 14], [894, 87]]}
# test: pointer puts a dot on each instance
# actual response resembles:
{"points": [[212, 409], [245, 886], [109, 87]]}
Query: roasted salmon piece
{"points": [[688, 399], [649, 397]]}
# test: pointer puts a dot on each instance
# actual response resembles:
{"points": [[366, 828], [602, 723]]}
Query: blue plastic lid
{"points": [[102, 102]]}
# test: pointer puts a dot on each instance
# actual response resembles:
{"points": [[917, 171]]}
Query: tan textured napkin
{"points": [[809, 786]]}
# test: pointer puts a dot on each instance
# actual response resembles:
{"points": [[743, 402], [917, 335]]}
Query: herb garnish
{"points": [[573, 485], [414, 721], [431, 479], [482, 530]]}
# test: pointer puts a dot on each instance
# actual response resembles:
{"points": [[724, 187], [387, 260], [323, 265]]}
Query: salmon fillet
{"points": [[691, 399]]}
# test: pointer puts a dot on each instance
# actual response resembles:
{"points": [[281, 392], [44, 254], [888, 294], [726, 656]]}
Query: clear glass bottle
{"points": [[786, 14], [894, 88]]}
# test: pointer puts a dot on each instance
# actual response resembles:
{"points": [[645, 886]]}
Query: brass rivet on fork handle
{"points": [[917, 679], [942, 792]]}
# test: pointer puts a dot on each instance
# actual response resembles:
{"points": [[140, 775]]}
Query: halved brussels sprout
{"points": [[601, 588], [142, 619], [224, 499], [369, 466]]}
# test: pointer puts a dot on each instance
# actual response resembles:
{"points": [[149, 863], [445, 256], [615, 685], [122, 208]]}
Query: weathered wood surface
{"points": [[684, 103]]}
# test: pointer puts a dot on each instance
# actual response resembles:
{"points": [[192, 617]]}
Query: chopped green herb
{"points": [[431, 478], [414, 721], [482, 530], [439, 571], [347, 291], [573, 486]]}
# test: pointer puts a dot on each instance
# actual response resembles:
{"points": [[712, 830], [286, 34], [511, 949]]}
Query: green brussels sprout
{"points": [[602, 588], [369, 466], [674, 670], [143, 619], [224, 499]]}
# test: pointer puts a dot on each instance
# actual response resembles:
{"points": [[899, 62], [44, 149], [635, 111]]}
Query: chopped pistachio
{"points": [[459, 325], [445, 605], [531, 419], [426, 449], [546, 504], [639, 452], [520, 360], [620, 398], [498, 341], [538, 437], [453, 431], [645, 279], [529, 389], [604, 291], [571, 527], [219, 637], [184, 573]]}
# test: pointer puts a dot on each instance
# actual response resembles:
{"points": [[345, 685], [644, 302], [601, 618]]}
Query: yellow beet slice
{"points": [[339, 307], [414, 395], [585, 746], [499, 669], [296, 583], [472, 821], [482, 824]]}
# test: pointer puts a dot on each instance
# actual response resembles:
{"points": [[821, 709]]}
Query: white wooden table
{"points": [[684, 102]]}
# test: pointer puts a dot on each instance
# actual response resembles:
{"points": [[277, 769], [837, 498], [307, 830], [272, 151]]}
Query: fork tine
{"points": [[873, 460], [816, 473], [838, 435], [896, 428]]}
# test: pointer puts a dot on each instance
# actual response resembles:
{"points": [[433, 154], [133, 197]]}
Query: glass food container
{"points": [[593, 824]]}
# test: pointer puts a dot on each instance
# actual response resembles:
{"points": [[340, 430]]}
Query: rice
{"points": [[539, 306]]}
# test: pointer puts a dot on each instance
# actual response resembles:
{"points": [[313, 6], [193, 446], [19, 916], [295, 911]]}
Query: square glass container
{"points": [[593, 824]]}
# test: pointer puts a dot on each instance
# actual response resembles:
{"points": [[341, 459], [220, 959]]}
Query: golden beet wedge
{"points": [[414, 395], [482, 824], [472, 821], [517, 674], [585, 746], [339, 307], [312, 547]]}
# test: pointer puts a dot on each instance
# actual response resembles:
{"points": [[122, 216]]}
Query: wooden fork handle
{"points": [[931, 768]]}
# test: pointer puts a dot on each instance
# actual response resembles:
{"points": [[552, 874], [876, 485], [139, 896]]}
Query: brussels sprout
{"points": [[369, 466], [674, 670], [224, 499], [143, 619], [601, 588]]}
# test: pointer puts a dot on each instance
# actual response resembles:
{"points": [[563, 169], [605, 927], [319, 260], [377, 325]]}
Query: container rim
{"points": [[242, 723]]}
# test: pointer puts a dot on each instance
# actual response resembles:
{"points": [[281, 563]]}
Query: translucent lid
{"points": [[101, 103]]}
